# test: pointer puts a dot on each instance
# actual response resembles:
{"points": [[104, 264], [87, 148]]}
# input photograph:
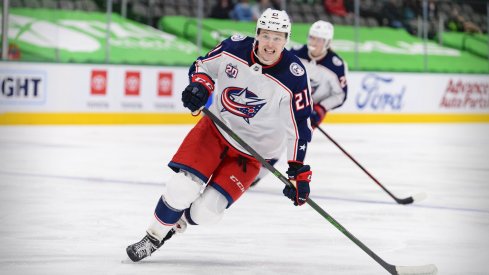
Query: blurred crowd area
{"points": [[441, 15]]}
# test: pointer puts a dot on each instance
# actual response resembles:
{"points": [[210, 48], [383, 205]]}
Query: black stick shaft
{"points": [[400, 201], [390, 268]]}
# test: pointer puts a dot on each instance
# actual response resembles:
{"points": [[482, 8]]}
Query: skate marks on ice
{"points": [[73, 198]]}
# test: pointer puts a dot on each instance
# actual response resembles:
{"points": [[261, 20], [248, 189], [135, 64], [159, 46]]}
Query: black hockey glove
{"points": [[197, 92], [194, 96], [301, 175]]}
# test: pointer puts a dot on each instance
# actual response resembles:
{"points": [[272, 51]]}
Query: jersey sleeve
{"points": [[296, 111], [209, 64], [338, 86]]}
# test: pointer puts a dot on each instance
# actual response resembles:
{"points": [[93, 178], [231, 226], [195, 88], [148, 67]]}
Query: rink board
{"points": [[44, 93]]}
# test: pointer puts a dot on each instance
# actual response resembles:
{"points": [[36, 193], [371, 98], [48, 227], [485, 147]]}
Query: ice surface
{"points": [[72, 199]]}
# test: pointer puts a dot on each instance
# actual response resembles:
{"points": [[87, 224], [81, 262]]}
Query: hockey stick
{"points": [[392, 269], [408, 200]]}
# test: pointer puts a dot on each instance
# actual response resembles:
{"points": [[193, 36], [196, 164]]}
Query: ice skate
{"points": [[150, 244], [144, 247]]}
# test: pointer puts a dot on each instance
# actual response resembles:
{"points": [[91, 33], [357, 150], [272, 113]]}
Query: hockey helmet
{"points": [[324, 30], [274, 20]]}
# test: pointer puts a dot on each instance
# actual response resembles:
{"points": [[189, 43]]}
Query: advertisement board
{"points": [[44, 93], [407, 93], [90, 88]]}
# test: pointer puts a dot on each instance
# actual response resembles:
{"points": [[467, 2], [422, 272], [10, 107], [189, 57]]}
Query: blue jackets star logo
{"points": [[241, 102]]}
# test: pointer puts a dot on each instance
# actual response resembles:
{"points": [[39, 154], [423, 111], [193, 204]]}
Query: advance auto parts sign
{"points": [[466, 94]]}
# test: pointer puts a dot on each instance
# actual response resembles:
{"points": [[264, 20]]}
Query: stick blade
{"points": [[416, 198], [417, 270]]}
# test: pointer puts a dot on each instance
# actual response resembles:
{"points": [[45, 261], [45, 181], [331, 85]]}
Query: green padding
{"points": [[214, 30], [80, 37], [380, 49], [473, 43]]}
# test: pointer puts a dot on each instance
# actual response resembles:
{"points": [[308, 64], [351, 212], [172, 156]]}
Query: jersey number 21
{"points": [[302, 100]]}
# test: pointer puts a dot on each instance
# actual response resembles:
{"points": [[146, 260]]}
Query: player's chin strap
{"points": [[392, 269], [255, 48]]}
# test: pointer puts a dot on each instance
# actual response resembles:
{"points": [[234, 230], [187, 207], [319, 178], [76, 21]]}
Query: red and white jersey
{"points": [[266, 106], [327, 76]]}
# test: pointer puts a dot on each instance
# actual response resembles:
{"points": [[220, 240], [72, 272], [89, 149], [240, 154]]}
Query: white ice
{"points": [[73, 198]]}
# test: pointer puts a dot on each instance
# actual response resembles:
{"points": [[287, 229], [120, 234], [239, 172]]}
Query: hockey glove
{"points": [[301, 175], [197, 92], [317, 115]]}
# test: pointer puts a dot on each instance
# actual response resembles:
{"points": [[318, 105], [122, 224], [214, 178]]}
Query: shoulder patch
{"points": [[296, 69], [337, 61], [238, 37]]}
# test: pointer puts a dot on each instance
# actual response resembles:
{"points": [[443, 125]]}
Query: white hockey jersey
{"points": [[266, 106], [328, 78]]}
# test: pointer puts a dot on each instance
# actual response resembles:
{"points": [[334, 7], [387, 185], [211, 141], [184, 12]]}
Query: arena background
{"points": [[90, 114], [70, 62]]}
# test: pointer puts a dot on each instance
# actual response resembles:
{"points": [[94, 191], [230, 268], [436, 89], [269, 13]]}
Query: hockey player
{"points": [[263, 95], [326, 70], [327, 73]]}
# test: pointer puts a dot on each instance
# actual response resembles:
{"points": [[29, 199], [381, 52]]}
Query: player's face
{"points": [[270, 45], [315, 45]]}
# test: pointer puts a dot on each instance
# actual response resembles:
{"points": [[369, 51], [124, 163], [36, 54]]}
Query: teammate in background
{"points": [[327, 73], [262, 94], [326, 70]]}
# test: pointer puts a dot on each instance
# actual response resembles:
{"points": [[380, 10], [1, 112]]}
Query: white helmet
{"points": [[324, 30], [274, 20]]}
